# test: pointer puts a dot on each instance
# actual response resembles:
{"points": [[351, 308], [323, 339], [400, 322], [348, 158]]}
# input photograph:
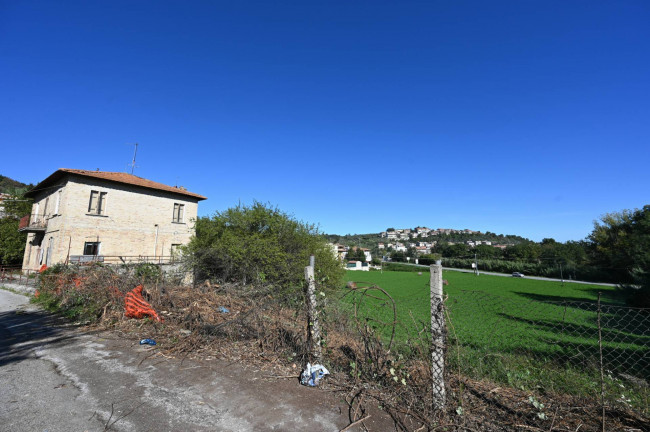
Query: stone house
{"points": [[81, 216]]}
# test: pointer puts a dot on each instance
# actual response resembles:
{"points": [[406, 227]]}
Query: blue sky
{"points": [[518, 117]]}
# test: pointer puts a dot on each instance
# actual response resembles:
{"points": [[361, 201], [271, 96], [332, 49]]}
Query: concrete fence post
{"points": [[437, 337], [313, 328]]}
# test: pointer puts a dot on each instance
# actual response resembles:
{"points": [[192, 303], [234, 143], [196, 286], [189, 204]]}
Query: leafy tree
{"points": [[356, 254], [528, 251], [12, 242], [486, 251], [398, 256], [17, 206], [428, 259], [411, 252], [452, 251], [620, 242], [9, 185], [260, 243]]}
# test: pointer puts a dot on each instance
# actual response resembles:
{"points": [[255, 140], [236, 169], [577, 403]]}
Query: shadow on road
{"points": [[22, 331]]}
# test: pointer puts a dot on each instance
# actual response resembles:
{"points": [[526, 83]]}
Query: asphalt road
{"points": [[510, 275], [53, 377]]}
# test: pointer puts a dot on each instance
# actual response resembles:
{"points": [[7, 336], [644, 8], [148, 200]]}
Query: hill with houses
{"points": [[423, 239]]}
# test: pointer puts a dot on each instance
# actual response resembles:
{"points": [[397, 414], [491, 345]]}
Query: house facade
{"points": [[81, 216]]}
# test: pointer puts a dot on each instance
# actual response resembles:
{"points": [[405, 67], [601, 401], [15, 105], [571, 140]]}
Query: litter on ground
{"points": [[312, 374]]}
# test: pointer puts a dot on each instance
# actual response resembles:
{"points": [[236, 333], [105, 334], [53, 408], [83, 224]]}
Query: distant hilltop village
{"points": [[425, 247], [419, 242], [407, 233]]}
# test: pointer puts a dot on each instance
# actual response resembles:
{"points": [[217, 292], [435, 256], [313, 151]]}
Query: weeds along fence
{"points": [[479, 362], [510, 363], [593, 357]]}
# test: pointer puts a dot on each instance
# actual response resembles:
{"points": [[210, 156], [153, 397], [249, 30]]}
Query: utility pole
{"points": [[476, 264]]}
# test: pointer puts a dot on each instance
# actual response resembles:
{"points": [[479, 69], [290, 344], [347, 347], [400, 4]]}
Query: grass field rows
{"points": [[530, 334]]}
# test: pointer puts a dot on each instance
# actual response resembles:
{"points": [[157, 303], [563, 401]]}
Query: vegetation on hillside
{"points": [[620, 244], [12, 242], [9, 185], [617, 251]]}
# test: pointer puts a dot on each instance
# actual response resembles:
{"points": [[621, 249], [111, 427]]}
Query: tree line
{"points": [[616, 251], [12, 208]]}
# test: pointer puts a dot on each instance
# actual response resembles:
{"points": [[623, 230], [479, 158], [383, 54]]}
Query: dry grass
{"points": [[267, 328]]}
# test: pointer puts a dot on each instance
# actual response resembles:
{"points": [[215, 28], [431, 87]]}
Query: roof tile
{"points": [[125, 178]]}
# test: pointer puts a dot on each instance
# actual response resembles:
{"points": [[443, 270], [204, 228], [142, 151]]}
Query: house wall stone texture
{"points": [[136, 221]]}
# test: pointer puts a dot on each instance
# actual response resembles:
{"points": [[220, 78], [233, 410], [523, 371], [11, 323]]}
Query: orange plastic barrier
{"points": [[137, 307]]}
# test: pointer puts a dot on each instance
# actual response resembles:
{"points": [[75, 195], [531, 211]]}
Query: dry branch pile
{"points": [[266, 327]]}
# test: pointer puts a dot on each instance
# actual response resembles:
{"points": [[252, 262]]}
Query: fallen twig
{"points": [[355, 423]]}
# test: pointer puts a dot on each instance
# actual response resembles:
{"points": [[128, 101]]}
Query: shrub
{"points": [[148, 272], [262, 244]]}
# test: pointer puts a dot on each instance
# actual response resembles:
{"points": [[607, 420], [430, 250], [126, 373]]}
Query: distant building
{"points": [[3, 197], [357, 265], [341, 251]]}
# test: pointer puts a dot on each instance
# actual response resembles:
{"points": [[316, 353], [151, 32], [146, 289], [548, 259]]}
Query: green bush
{"points": [[260, 244], [148, 272]]}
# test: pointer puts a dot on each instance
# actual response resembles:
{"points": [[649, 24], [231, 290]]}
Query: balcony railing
{"points": [[14, 274], [123, 259], [33, 223]]}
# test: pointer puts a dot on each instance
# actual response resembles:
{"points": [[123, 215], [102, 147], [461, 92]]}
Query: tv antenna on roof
{"points": [[132, 164]]}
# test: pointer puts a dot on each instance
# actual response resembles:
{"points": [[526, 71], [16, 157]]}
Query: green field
{"points": [[523, 332]]}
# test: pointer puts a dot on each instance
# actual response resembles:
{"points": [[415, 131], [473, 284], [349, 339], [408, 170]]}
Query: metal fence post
{"points": [[437, 337], [313, 328], [602, 366]]}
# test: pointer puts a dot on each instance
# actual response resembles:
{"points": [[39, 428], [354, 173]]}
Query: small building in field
{"points": [[357, 265], [83, 216]]}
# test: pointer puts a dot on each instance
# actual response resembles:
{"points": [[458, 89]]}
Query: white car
{"points": [[517, 274]]}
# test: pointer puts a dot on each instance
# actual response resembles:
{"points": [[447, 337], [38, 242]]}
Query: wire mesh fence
{"points": [[570, 353], [511, 363], [481, 361]]}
